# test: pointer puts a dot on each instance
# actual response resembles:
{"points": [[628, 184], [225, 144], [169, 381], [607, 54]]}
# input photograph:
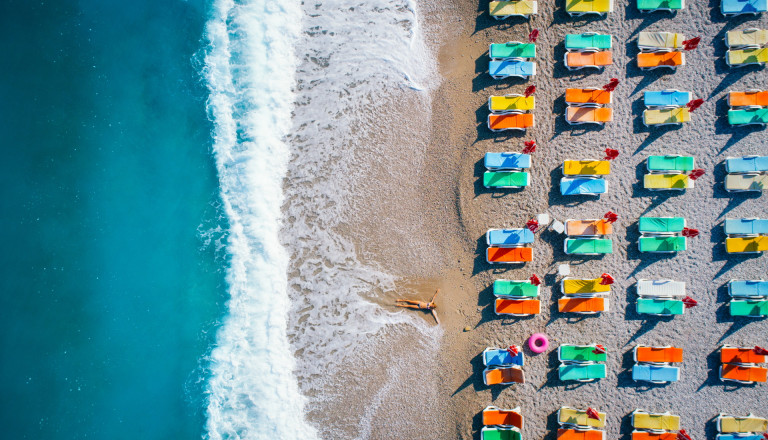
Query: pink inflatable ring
{"points": [[538, 343]]}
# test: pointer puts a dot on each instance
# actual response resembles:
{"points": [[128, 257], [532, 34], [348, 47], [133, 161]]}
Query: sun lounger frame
{"points": [[659, 107], [740, 107], [489, 349], [689, 184], [571, 361], [650, 171], [637, 306], [589, 104], [746, 300], [485, 371], [517, 315], [606, 307], [657, 382], [507, 58], [565, 246], [563, 364]]}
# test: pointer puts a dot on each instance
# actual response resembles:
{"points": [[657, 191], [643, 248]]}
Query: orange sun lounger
{"points": [[588, 115], [497, 416], [652, 60], [502, 376], [509, 255], [645, 435], [587, 97], [582, 305], [510, 121], [658, 354], [741, 373], [577, 434], [736, 355], [748, 98], [517, 306], [588, 227], [581, 60]]}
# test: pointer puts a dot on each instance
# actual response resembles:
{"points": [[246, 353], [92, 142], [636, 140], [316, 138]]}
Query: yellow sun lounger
{"points": [[666, 116], [586, 167], [571, 286], [750, 423], [667, 181], [745, 57], [511, 103], [588, 115], [578, 418], [577, 8], [746, 182], [746, 245], [506, 9], [655, 60], [655, 421], [588, 227]]}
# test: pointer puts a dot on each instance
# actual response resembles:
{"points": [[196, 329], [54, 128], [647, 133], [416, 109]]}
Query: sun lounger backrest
{"points": [[661, 224], [748, 288], [667, 422], [746, 164], [746, 244], [659, 354], [573, 416], [502, 417]]}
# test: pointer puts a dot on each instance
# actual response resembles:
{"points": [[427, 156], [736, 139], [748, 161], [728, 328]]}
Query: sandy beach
{"points": [[462, 210]]}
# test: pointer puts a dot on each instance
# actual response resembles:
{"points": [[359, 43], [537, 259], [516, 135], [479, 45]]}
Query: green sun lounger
{"points": [[515, 288], [654, 306], [499, 433], [668, 163], [588, 246], [505, 179], [753, 308], [757, 116], [588, 40], [583, 372], [662, 244], [579, 353], [512, 49], [661, 225], [660, 5]]}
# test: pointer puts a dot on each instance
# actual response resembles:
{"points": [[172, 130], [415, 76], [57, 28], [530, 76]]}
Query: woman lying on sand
{"points": [[431, 306]]}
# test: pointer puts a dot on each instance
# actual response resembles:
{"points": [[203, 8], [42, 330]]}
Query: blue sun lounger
{"points": [[500, 356], [737, 7], [748, 288], [655, 373], [747, 164], [739, 437], [507, 161], [507, 68], [666, 98], [574, 186], [746, 226], [508, 237]]}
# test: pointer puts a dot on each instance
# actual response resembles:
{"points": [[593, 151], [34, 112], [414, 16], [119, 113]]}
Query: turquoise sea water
{"points": [[111, 287]]}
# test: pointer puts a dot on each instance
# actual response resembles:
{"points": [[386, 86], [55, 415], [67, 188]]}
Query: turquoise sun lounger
{"points": [[661, 225], [500, 356], [588, 246], [500, 433], [588, 40], [582, 186], [655, 373], [662, 244], [750, 308], [508, 68], [660, 5], [669, 163], [748, 288], [582, 372], [507, 161], [662, 307], [579, 353], [508, 237], [737, 7], [666, 98], [758, 116], [515, 288], [745, 226], [747, 164], [505, 179], [512, 49]]}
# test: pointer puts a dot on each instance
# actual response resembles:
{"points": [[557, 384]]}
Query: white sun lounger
{"points": [[660, 288]]}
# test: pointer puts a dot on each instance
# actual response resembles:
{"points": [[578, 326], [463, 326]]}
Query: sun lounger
{"points": [[747, 37], [746, 245], [660, 288], [588, 115], [504, 417], [660, 182], [591, 97], [508, 237], [659, 41], [503, 375], [591, 186], [743, 374], [506, 179], [739, 437], [738, 7], [578, 418], [580, 354], [748, 288], [506, 255], [661, 225], [588, 58], [517, 307], [511, 104], [500, 69], [660, 5], [589, 246], [587, 40], [748, 116], [647, 435], [666, 98], [749, 308], [586, 167], [580, 287], [660, 307], [657, 355], [507, 161], [517, 8], [745, 226], [746, 164], [499, 433], [500, 356], [666, 116], [745, 57], [662, 244], [655, 421], [582, 372], [655, 373], [655, 60], [741, 355], [577, 434], [588, 227], [511, 121], [585, 306], [577, 8], [515, 289], [746, 182], [670, 163], [750, 98], [750, 423], [511, 49]]}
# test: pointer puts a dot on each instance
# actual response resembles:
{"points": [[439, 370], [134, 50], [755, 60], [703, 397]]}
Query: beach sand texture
{"points": [[462, 213]]}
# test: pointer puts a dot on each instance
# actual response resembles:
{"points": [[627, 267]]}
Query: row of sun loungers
{"points": [[661, 234], [501, 10], [652, 364], [746, 235], [740, 365]]}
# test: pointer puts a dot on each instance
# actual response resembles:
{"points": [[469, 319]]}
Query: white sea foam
{"points": [[249, 68]]}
